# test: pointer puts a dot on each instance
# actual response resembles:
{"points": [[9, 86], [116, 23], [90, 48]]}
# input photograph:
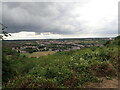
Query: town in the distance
{"points": [[54, 45]]}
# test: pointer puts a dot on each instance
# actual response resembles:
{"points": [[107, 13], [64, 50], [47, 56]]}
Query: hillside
{"points": [[87, 67]]}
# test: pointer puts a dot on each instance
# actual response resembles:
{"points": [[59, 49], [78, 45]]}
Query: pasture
{"points": [[38, 54]]}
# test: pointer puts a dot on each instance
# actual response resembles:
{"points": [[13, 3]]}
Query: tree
{"points": [[4, 33], [107, 43], [7, 70]]}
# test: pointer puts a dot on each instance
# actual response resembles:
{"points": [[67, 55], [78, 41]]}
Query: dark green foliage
{"points": [[117, 38], [41, 47], [107, 43], [8, 58], [6, 69], [31, 50]]}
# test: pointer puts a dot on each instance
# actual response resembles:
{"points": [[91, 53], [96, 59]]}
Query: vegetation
{"points": [[31, 50], [38, 54], [68, 69]]}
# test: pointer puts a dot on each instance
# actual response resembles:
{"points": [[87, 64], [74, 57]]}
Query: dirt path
{"points": [[104, 84]]}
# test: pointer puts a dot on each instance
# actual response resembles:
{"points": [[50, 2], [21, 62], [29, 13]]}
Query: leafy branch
{"points": [[4, 33]]}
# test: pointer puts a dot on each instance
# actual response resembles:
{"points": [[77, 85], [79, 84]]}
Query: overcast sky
{"points": [[43, 20]]}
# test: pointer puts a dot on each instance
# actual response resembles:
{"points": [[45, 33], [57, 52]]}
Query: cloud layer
{"points": [[98, 17]]}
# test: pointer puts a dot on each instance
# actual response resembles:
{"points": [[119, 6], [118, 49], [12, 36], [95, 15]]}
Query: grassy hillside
{"points": [[72, 69]]}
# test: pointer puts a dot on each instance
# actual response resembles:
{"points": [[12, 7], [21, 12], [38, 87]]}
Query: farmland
{"points": [[38, 54], [87, 67]]}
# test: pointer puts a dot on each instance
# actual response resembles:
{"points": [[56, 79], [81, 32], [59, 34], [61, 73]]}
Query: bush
{"points": [[30, 81]]}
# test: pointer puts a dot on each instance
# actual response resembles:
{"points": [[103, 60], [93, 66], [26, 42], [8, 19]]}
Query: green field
{"points": [[38, 54]]}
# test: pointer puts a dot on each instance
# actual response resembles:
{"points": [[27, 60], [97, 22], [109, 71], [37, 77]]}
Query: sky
{"points": [[53, 20]]}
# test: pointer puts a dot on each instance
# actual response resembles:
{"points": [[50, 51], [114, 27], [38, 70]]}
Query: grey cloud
{"points": [[38, 17], [44, 17]]}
